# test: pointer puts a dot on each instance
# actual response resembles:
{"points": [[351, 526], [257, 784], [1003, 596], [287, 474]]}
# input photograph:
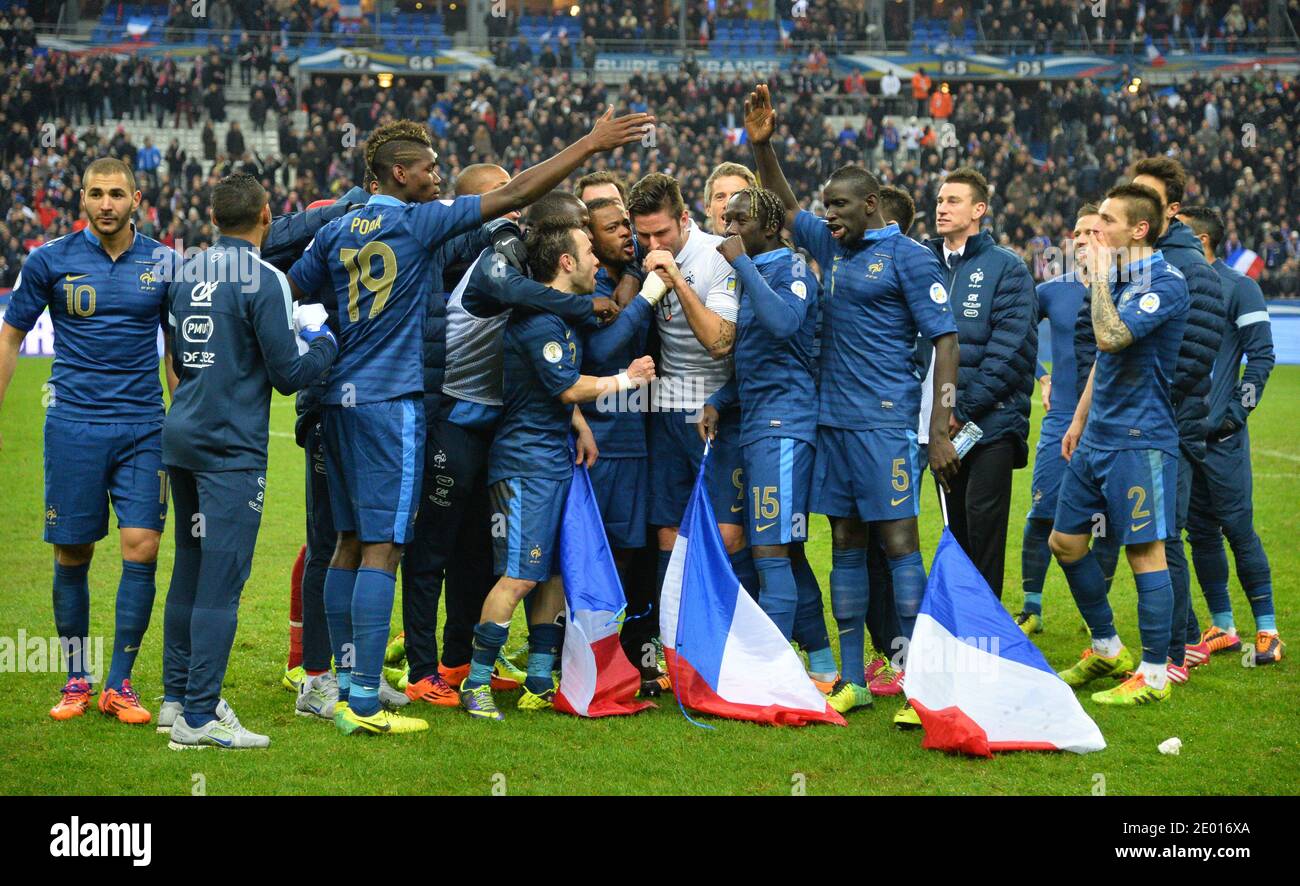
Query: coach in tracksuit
{"points": [[232, 328], [1221, 492], [993, 302], [1191, 385]]}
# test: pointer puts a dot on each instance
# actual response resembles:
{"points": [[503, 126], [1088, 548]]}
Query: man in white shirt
{"points": [[696, 320], [890, 85]]}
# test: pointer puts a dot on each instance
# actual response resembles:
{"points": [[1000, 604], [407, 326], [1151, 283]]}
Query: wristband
{"points": [[653, 289], [624, 381]]}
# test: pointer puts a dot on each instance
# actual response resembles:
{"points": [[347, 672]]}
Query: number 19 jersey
{"points": [[373, 264]]}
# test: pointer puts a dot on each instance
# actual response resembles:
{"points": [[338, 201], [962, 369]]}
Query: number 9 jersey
{"points": [[372, 264]]}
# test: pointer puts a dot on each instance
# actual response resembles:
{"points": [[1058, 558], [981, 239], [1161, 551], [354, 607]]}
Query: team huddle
{"points": [[454, 359]]}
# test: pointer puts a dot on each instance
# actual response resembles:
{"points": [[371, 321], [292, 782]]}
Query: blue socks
{"points": [[822, 661], [1035, 557], [908, 573], [1212, 572], [135, 595], [810, 616], [849, 595], [339, 584], [1261, 606], [72, 614], [372, 611], [543, 647], [1088, 587], [742, 563], [1155, 614], [779, 595], [489, 637], [1106, 549]]}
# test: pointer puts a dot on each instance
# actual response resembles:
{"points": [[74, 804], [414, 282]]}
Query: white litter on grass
{"points": [[1171, 746]]}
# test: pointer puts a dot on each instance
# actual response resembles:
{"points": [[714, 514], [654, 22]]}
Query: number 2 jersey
{"points": [[373, 264]]}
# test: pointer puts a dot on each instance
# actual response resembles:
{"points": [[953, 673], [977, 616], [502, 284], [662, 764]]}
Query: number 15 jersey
{"points": [[373, 265]]}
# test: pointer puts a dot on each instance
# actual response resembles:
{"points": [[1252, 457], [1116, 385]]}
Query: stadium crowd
{"points": [[1234, 135]]}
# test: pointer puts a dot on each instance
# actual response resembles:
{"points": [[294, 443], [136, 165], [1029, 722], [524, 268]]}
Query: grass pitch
{"points": [[1238, 725]]}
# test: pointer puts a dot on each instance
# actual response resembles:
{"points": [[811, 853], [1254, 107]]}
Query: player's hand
{"points": [[760, 117], [943, 460], [732, 248], [1046, 384], [661, 260], [605, 309], [1100, 257], [954, 426], [308, 318], [1070, 441], [642, 369], [611, 132], [585, 444], [708, 424]]}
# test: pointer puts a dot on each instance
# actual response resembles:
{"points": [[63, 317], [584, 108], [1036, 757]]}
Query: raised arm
{"points": [[609, 133], [760, 123]]}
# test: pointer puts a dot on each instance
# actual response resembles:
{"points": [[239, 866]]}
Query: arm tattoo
{"points": [[1112, 334], [726, 338]]}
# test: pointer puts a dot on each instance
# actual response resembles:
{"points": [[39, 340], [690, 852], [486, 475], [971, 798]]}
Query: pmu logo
{"points": [[197, 329]]}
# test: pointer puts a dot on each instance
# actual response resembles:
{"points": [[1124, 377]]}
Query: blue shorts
{"points": [[526, 517], [1134, 490], [87, 464], [872, 475], [1049, 467], [374, 459], [675, 454], [778, 476], [621, 485]]}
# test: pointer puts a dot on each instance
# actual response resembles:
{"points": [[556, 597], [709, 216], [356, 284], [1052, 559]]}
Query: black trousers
{"points": [[453, 541], [321, 540], [979, 505]]}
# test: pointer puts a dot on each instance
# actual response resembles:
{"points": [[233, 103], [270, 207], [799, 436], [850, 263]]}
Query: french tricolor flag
{"points": [[725, 657], [977, 682], [596, 679], [1246, 261]]}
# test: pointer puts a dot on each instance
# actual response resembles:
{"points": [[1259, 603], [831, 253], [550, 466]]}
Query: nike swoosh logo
{"points": [[1139, 526], [761, 527], [75, 276], [895, 502], [735, 509], [130, 648]]}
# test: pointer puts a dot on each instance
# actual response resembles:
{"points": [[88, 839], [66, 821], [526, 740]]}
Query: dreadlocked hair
{"points": [[397, 143], [767, 207]]}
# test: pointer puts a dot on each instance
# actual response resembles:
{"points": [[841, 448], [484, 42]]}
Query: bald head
{"points": [[480, 178], [557, 208]]}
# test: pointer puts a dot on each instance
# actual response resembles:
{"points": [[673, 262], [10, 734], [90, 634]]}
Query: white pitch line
{"points": [[1275, 454], [281, 434]]}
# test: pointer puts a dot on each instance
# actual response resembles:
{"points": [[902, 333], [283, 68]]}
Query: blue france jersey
{"points": [[608, 350], [775, 330], [1131, 407], [106, 317], [542, 356], [876, 296], [1059, 300], [374, 264]]}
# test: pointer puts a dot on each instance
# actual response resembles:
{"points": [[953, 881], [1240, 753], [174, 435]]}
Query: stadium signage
{"points": [[627, 63], [1053, 67]]}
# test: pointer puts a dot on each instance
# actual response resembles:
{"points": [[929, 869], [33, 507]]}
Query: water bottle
{"points": [[967, 437]]}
